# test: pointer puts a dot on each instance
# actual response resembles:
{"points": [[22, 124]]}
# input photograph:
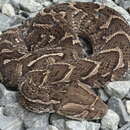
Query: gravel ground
{"points": [[116, 94]]}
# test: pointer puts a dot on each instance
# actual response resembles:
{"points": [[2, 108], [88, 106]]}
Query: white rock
{"points": [[76, 125], [47, 3], [8, 10], [118, 88], [110, 121], [82, 125], [10, 123], [51, 127], [128, 106], [30, 5]]}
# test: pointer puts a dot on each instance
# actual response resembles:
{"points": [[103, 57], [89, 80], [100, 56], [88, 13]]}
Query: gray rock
{"points": [[2, 2], [38, 128], [10, 123], [4, 22], [16, 21], [2, 90], [8, 10], [47, 3], [117, 105], [75, 125], [103, 95], [33, 120], [125, 127], [1, 111], [126, 4], [14, 110], [15, 3], [9, 98], [110, 121], [30, 5], [60, 1], [83, 0], [118, 88], [51, 127], [82, 125], [57, 121], [128, 106], [92, 126]]}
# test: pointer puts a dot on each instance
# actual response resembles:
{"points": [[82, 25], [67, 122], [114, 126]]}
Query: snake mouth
{"points": [[86, 45]]}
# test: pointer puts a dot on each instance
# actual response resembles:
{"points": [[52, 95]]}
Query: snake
{"points": [[58, 59]]}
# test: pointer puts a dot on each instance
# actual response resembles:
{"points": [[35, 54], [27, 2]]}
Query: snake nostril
{"points": [[86, 45]]}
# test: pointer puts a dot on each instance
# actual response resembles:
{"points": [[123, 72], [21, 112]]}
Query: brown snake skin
{"points": [[58, 58]]}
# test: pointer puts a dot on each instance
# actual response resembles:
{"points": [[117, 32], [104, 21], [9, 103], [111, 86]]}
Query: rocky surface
{"points": [[116, 94]]}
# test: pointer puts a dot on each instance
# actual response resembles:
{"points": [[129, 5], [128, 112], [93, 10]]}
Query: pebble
{"points": [[4, 22], [2, 2], [117, 105], [76, 125], [51, 127], [110, 121], [126, 4], [103, 95], [82, 125], [125, 127], [118, 88], [8, 10], [59, 123], [47, 3], [9, 98], [10, 123], [128, 106], [2, 90], [33, 120], [14, 110], [30, 5]]}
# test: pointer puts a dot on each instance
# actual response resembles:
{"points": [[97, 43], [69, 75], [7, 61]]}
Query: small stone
{"points": [[92, 126], [82, 125], [47, 3], [10, 123], [2, 90], [2, 2], [60, 1], [128, 106], [103, 95], [14, 110], [33, 120], [51, 127], [125, 127], [117, 105], [57, 121], [83, 0], [4, 22], [126, 4], [118, 88], [110, 121], [30, 5], [76, 125], [8, 10], [9, 98], [15, 3], [38, 128]]}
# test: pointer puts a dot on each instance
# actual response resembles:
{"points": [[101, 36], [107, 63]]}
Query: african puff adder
{"points": [[58, 58]]}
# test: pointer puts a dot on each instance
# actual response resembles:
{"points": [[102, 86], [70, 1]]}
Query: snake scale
{"points": [[61, 56]]}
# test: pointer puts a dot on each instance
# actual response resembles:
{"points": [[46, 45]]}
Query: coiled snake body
{"points": [[58, 58]]}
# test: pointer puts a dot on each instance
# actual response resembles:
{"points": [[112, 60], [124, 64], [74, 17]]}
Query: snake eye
{"points": [[86, 45]]}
